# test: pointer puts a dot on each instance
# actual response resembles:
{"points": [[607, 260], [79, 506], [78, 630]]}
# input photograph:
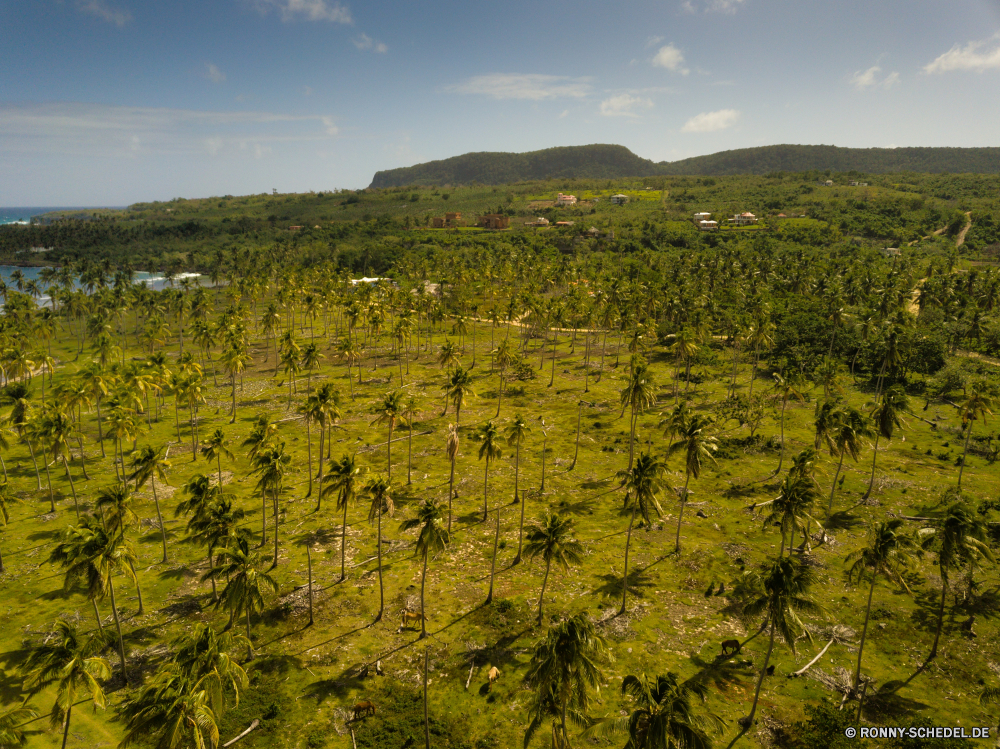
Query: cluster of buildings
{"points": [[485, 221], [704, 220]]}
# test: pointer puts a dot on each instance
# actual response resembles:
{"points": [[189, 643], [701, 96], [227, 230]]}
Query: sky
{"points": [[111, 102]]}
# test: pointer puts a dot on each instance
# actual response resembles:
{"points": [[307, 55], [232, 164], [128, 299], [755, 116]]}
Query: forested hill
{"points": [[595, 161], [608, 161]]}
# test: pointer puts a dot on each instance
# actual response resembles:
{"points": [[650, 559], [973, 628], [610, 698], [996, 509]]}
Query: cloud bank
{"points": [[532, 86], [711, 122]]}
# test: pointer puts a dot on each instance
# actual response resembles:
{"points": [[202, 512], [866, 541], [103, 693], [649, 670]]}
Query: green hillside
{"points": [[610, 162]]}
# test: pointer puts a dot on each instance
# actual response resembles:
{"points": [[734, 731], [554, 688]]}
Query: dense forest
{"points": [[637, 486], [612, 162]]}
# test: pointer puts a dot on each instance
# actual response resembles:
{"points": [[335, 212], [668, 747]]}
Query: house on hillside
{"points": [[708, 225], [703, 216], [565, 199], [447, 221], [540, 221], [743, 219], [890, 252], [493, 221], [619, 199], [565, 223]]}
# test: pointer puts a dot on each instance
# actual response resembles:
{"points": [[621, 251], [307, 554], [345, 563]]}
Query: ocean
{"points": [[18, 215], [153, 280]]}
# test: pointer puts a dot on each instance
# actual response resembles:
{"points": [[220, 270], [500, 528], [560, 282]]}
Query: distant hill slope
{"points": [[609, 161]]}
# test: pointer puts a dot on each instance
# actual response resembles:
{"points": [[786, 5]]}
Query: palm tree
{"points": [[73, 665], [248, 583], [976, 406], [310, 361], [887, 554], [343, 479], [489, 435], [215, 525], [565, 666], [448, 355], [270, 465], [148, 465], [786, 387], [95, 380], [459, 388], [451, 447], [115, 506], [784, 594], [321, 407], [958, 537], [696, 444], [19, 397], [515, 435], [638, 394], [503, 357], [10, 720], [388, 411], [7, 498], [378, 490], [664, 716], [216, 448], [850, 427], [887, 417], [432, 540], [552, 540], [174, 710], [642, 483], [234, 361], [792, 508], [349, 353], [409, 414]]}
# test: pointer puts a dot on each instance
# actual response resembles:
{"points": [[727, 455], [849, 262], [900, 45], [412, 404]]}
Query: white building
{"points": [[619, 199], [565, 199], [743, 219], [708, 225], [890, 252], [702, 216]]}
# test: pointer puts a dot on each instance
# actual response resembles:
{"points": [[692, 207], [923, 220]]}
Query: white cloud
{"points": [[970, 57], [564, 114], [870, 78], [653, 41], [309, 10], [364, 41], [105, 12], [534, 87], [712, 6], [671, 58], [213, 73], [624, 105], [711, 122], [101, 130]]}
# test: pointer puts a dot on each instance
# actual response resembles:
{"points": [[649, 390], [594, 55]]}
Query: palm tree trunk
{"points": [[576, 452], [864, 632], [138, 589], [118, 626], [940, 622], [680, 513], [72, 487], [871, 481], [631, 437], [100, 429], [833, 489], [781, 456], [388, 452], [381, 588], [517, 466], [500, 393], [756, 694], [274, 501], [423, 609], [322, 437], [520, 530], [249, 641], [69, 712], [233, 420], [493, 563], [97, 615], [555, 339], [965, 453], [427, 725], [628, 542], [263, 517], [545, 581], [52, 499], [486, 484], [451, 492], [309, 453], [409, 453], [38, 476], [343, 544], [309, 566], [211, 576]]}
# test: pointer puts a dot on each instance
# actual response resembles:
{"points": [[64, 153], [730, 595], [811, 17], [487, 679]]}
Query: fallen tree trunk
{"points": [[233, 741]]}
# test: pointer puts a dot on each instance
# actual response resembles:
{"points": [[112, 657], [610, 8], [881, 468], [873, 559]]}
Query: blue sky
{"points": [[117, 101]]}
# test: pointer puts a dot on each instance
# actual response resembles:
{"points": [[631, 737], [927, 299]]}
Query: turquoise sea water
{"points": [[17, 215], [153, 280]]}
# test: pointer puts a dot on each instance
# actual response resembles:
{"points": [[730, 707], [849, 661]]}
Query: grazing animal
{"points": [[710, 592], [494, 674], [721, 590], [363, 708], [378, 668], [701, 514], [770, 670], [730, 647], [411, 616]]}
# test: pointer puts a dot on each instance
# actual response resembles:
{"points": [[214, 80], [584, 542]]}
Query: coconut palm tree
{"points": [[452, 446], [96, 381], [432, 540], [448, 355], [552, 539], [459, 389], [216, 525], [234, 360], [408, 415], [388, 411], [350, 354], [10, 721], [516, 433], [503, 358], [786, 387], [174, 711], [697, 444], [248, 584], [73, 666], [565, 667], [792, 508], [115, 506], [642, 483], [270, 465], [379, 493], [7, 499], [638, 394], [18, 396], [310, 360], [959, 537], [216, 448], [148, 465], [849, 429], [784, 595], [664, 715], [321, 407], [977, 405], [489, 450], [343, 481], [887, 418], [886, 554]]}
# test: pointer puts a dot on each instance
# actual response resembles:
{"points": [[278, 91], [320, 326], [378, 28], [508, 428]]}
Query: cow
{"points": [[411, 616], [363, 708], [730, 647], [494, 674]]}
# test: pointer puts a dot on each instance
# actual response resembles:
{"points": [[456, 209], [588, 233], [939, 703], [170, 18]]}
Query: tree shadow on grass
{"points": [[722, 671], [580, 507], [178, 573], [470, 518], [155, 536], [925, 615], [49, 534], [10, 678], [60, 593], [888, 705], [843, 520], [638, 581]]}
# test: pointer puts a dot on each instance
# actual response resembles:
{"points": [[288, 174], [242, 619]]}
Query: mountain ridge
{"points": [[608, 161]]}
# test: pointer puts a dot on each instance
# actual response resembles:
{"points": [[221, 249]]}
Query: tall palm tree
{"points": [[886, 554], [388, 411], [696, 444], [459, 389], [959, 537], [115, 506], [451, 447], [565, 666], [432, 540], [248, 583], [552, 539], [784, 594], [489, 450], [350, 353], [175, 711], [379, 493], [448, 355], [216, 525], [216, 448], [73, 665], [850, 427], [270, 465], [792, 508], [977, 405], [642, 483], [7, 498], [344, 481], [638, 394], [322, 407], [516, 433], [235, 360], [503, 357], [664, 715], [95, 379], [887, 418], [148, 465], [408, 415], [786, 387], [18, 396]]}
